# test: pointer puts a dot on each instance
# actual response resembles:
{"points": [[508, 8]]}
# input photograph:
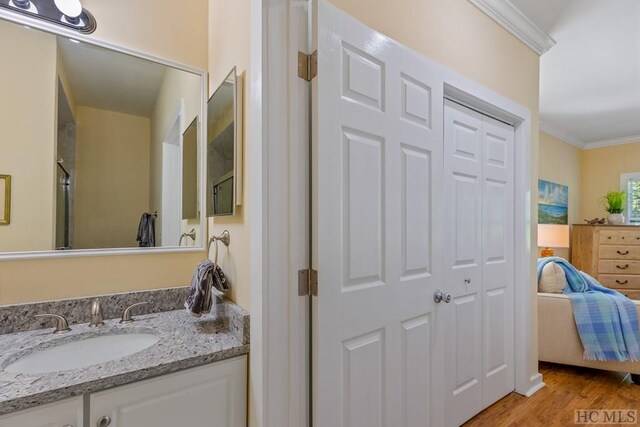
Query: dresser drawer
{"points": [[619, 252], [620, 237], [635, 295], [619, 281], [618, 267]]}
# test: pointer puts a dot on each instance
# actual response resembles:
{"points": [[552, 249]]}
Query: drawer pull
{"points": [[621, 282], [609, 237], [623, 267], [623, 253]]}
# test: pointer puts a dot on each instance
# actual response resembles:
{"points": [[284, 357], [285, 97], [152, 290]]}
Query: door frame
{"points": [[278, 130], [473, 95], [279, 380]]}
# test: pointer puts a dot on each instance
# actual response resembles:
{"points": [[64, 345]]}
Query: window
{"points": [[630, 183]]}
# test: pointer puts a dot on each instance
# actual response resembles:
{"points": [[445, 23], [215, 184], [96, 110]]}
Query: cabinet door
{"points": [[208, 396], [59, 414]]}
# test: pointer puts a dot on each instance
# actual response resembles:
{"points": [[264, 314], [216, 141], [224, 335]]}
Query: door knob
{"points": [[104, 421], [440, 296]]}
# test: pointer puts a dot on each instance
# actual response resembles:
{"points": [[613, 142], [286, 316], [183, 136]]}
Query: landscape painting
{"points": [[553, 203]]}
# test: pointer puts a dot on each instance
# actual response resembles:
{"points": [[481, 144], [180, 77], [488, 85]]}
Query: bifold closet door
{"points": [[378, 219], [479, 183]]}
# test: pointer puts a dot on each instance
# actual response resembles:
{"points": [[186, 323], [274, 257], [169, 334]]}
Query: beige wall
{"points": [[229, 47], [112, 178], [28, 129], [561, 163], [173, 30], [156, 27], [602, 168]]}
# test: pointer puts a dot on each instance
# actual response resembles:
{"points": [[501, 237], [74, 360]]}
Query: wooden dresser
{"points": [[610, 253]]}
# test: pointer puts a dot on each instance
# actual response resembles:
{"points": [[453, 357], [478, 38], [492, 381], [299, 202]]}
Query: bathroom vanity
{"points": [[182, 371]]}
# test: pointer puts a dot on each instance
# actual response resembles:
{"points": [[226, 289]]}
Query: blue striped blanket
{"points": [[607, 321]]}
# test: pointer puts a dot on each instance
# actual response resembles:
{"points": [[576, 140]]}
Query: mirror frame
{"points": [[238, 142], [56, 30]]}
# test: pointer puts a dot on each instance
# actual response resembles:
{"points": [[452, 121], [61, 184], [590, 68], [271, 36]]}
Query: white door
{"points": [[208, 396], [378, 229], [171, 213], [64, 413], [479, 182]]}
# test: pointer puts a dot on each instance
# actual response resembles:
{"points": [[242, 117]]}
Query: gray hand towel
{"points": [[206, 275], [147, 231]]}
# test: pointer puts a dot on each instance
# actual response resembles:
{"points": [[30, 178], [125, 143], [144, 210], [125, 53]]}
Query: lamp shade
{"points": [[553, 236]]}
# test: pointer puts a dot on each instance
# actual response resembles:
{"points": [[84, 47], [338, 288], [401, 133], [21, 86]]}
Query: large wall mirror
{"points": [[224, 147], [105, 149]]}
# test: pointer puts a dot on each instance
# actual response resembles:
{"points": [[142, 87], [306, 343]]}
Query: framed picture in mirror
{"points": [[5, 199]]}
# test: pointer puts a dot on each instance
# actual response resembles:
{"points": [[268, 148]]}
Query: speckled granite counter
{"points": [[185, 342]]}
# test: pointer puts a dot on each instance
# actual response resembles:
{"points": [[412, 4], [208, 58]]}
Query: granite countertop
{"points": [[185, 342]]}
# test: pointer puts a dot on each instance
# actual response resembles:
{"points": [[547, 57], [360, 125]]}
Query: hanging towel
{"points": [[199, 300], [206, 276], [607, 321], [147, 231]]}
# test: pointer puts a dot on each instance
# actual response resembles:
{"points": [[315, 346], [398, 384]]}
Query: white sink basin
{"points": [[82, 353]]}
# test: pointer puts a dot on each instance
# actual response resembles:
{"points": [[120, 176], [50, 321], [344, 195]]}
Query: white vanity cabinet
{"points": [[213, 395], [66, 413]]}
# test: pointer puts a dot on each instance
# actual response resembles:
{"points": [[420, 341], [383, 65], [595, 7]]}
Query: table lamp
{"points": [[552, 236]]}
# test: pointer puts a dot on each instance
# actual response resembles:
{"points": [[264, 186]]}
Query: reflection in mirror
{"points": [[190, 171], [223, 148], [103, 146]]}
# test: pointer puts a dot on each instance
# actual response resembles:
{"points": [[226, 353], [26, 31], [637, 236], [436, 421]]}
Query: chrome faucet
{"points": [[126, 314], [96, 314], [62, 325]]}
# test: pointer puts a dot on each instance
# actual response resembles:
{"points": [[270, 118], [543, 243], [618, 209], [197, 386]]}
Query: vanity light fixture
{"points": [[67, 13]]}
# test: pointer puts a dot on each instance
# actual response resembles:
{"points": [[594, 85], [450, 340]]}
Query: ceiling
{"points": [[590, 80], [108, 80]]}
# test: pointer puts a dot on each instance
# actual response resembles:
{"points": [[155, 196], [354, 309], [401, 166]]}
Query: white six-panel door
{"points": [[378, 219], [479, 182]]}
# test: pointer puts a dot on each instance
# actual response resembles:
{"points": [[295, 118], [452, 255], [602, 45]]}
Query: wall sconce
{"points": [[67, 13], [552, 236]]}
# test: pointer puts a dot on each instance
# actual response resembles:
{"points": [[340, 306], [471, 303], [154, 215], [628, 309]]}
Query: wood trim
{"points": [[278, 127], [509, 17]]}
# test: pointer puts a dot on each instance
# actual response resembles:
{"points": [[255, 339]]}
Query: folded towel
{"points": [[607, 321], [147, 231], [206, 276]]}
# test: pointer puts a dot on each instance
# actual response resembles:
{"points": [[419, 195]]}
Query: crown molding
{"points": [[507, 15], [563, 136], [613, 141]]}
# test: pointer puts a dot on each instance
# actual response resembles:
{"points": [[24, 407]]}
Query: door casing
{"points": [[279, 377]]}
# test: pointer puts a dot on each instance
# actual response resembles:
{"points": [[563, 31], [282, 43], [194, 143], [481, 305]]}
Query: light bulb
{"points": [[71, 9]]}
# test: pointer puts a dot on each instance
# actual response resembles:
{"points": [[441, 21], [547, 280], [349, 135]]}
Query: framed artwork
{"points": [[5, 199], [553, 203]]}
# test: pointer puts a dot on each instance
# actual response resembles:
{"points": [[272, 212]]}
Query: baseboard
{"points": [[535, 384]]}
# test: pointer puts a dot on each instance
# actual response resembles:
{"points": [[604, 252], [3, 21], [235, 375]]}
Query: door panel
{"points": [[498, 262], [62, 413], [462, 172], [377, 171], [479, 161]]}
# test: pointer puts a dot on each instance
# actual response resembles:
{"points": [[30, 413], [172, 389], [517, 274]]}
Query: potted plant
{"points": [[614, 203]]}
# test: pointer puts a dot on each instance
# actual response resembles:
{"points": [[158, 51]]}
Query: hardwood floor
{"points": [[567, 388]]}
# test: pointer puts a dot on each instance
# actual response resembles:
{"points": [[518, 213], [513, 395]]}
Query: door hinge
{"points": [[308, 65], [307, 282]]}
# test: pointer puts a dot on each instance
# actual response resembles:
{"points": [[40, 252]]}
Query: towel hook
{"points": [[225, 238]]}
